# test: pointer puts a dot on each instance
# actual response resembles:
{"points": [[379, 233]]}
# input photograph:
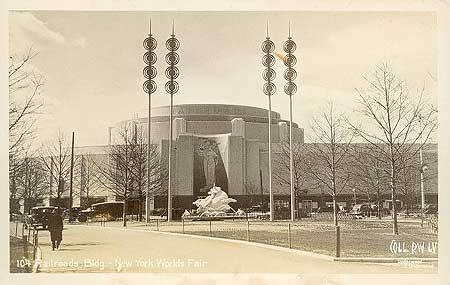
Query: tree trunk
{"points": [[141, 201], [335, 220], [87, 197], [378, 204], [124, 214], [393, 196]]}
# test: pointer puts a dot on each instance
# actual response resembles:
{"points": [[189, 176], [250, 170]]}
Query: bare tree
{"points": [[124, 172], [15, 173], [408, 182], [250, 192], [368, 175], [300, 171], [32, 183], [24, 88], [396, 124], [55, 158], [116, 171], [328, 157], [88, 180], [139, 168]]}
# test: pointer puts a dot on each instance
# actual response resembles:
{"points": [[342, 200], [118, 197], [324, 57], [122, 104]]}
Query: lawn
{"points": [[17, 262], [359, 238]]}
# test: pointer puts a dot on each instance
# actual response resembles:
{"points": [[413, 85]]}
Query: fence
{"points": [[285, 234], [343, 216], [352, 238], [24, 246], [433, 222], [364, 237]]}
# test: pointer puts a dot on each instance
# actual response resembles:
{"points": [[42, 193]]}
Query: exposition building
{"points": [[222, 145], [227, 146]]}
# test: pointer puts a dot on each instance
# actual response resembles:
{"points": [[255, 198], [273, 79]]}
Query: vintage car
{"points": [[39, 215], [105, 210]]}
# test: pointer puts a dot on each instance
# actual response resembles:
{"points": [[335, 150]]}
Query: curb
{"points": [[384, 260]]}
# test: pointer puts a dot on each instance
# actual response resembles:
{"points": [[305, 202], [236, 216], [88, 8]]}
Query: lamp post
{"points": [[423, 168], [172, 72], [149, 87], [71, 180], [290, 89], [269, 89]]}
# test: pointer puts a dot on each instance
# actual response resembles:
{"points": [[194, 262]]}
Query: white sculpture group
{"points": [[216, 203]]}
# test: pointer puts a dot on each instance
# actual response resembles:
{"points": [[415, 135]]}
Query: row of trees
{"points": [[393, 127], [25, 86], [45, 173], [39, 173], [121, 172], [124, 172]]}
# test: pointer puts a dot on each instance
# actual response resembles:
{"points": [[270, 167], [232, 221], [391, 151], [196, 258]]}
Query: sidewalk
{"points": [[114, 249]]}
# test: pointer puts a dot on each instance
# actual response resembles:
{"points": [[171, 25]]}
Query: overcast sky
{"points": [[92, 61]]}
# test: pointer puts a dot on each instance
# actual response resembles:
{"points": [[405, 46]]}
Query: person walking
{"points": [[55, 227]]}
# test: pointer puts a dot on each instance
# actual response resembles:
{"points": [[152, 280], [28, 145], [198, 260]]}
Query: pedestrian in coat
{"points": [[55, 227]]}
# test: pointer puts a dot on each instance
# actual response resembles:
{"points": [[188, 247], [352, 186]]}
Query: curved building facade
{"points": [[214, 144], [216, 119]]}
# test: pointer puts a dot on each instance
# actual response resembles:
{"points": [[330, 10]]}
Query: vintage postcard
{"points": [[255, 143]]}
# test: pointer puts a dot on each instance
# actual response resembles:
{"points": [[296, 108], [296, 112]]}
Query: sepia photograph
{"points": [[229, 141]]}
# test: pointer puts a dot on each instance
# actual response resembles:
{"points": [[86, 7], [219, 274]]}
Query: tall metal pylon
{"points": [[269, 89], [172, 72], [290, 89], [149, 87]]}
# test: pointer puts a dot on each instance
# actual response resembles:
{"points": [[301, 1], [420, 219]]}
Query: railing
{"points": [[354, 237], [27, 237], [433, 223], [285, 234], [341, 216], [366, 237]]}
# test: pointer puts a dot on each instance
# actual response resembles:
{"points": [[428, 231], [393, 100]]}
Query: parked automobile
{"points": [[83, 215], [411, 211], [38, 216], [104, 210], [383, 211], [73, 214], [328, 209]]}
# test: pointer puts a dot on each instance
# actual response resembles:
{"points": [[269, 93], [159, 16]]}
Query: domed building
{"points": [[214, 144]]}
